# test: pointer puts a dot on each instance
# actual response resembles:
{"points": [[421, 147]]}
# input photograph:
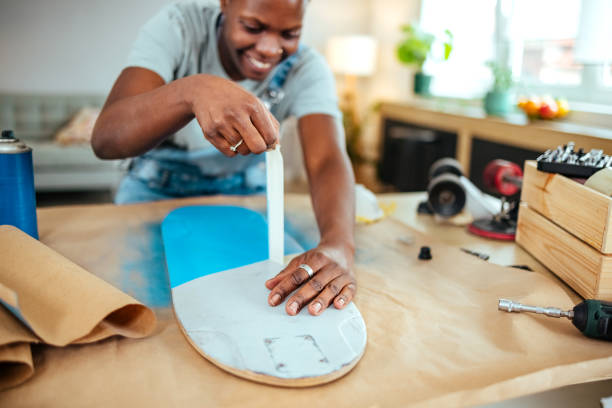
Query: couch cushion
{"points": [[38, 117]]}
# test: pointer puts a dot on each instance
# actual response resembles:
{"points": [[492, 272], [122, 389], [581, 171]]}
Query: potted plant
{"points": [[415, 48], [498, 101]]}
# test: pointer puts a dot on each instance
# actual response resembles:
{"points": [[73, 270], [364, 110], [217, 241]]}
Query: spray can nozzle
{"points": [[8, 134]]}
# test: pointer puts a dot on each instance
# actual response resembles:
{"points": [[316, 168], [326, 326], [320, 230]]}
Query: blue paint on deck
{"points": [[297, 240], [306, 239], [143, 268], [292, 247], [202, 240]]}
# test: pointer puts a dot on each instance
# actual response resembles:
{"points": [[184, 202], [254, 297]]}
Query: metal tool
{"points": [[480, 255], [564, 160], [592, 317]]}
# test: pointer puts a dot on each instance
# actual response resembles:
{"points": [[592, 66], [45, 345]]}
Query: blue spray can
{"points": [[17, 196]]}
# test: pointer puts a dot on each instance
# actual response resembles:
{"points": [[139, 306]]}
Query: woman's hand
{"points": [[142, 110], [333, 280], [231, 116]]}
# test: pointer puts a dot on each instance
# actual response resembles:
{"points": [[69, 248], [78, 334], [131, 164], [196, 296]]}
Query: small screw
{"points": [[425, 253], [406, 240]]}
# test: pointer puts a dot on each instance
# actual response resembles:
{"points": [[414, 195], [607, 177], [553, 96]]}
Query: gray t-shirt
{"points": [[181, 40]]}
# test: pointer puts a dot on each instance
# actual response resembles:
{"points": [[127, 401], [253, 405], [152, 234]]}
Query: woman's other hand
{"points": [[332, 281]]}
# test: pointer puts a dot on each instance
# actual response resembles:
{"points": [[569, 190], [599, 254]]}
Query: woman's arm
{"points": [[330, 175], [333, 196], [142, 110]]}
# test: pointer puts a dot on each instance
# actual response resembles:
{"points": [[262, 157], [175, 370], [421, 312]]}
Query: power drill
{"points": [[592, 317]]}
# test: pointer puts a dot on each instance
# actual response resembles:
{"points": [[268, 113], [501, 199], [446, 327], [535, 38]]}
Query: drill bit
{"points": [[510, 306]]}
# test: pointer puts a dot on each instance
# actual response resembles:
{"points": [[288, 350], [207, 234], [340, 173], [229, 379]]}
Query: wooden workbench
{"points": [[434, 334]]}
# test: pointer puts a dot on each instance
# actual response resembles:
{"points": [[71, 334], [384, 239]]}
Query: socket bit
{"points": [[544, 155], [511, 306]]}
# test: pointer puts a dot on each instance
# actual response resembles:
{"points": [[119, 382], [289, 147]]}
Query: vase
{"points": [[498, 103], [421, 83]]}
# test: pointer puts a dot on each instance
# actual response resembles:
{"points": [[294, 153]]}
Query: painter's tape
{"points": [[203, 240], [275, 204]]}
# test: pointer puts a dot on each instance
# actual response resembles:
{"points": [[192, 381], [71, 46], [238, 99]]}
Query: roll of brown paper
{"points": [[48, 299]]}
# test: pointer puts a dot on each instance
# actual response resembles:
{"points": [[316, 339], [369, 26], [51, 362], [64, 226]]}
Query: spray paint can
{"points": [[17, 195]]}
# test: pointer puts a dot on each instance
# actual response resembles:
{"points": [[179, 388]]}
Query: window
{"points": [[562, 54], [558, 47], [472, 23], [544, 48], [608, 76]]}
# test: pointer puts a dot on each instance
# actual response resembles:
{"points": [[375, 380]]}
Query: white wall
{"points": [[67, 45], [81, 45]]}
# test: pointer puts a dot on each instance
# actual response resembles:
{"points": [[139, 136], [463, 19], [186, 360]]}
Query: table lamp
{"points": [[351, 56]]}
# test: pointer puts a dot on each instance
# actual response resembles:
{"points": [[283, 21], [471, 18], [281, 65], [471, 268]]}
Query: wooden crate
{"points": [[586, 270], [580, 210]]}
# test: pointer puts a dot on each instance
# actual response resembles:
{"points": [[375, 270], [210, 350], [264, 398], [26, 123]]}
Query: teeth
{"points": [[259, 64]]}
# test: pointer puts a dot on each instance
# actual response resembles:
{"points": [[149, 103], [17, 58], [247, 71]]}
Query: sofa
{"points": [[35, 119]]}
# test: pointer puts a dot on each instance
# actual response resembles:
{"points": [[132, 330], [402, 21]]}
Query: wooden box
{"points": [[582, 267], [584, 212], [568, 228]]}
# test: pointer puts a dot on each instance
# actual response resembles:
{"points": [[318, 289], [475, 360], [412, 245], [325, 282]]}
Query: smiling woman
{"points": [[257, 35], [201, 98]]}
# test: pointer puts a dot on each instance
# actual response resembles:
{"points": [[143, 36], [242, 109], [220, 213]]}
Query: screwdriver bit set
{"points": [[564, 160]]}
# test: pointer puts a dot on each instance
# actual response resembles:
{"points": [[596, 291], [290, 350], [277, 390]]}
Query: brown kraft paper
{"points": [[435, 336], [49, 299]]}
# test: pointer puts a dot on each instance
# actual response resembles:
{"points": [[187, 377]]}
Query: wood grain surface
{"points": [[581, 266]]}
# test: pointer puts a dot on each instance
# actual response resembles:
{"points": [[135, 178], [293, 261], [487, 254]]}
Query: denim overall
{"points": [[172, 172]]}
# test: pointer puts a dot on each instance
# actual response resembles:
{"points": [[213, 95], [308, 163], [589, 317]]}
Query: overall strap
{"points": [[275, 93]]}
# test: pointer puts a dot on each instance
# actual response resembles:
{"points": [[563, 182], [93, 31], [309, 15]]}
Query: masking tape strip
{"points": [[275, 205]]}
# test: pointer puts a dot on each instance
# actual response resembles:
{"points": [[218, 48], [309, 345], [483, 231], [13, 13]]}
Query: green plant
{"points": [[416, 46], [502, 76]]}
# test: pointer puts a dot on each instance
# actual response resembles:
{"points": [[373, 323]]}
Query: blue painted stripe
{"points": [[202, 240], [16, 313], [143, 270]]}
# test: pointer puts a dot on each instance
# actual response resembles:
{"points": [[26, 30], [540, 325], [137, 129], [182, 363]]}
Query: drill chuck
{"points": [[592, 317]]}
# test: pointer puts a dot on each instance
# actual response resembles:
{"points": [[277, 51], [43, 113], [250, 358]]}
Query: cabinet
{"points": [[408, 152], [470, 136]]}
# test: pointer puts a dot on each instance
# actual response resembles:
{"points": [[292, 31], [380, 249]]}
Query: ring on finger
{"points": [[235, 147], [308, 269]]}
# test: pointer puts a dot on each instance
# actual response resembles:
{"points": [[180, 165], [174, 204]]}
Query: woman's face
{"points": [[258, 34]]}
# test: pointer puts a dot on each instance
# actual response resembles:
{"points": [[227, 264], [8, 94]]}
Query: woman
{"points": [[200, 100]]}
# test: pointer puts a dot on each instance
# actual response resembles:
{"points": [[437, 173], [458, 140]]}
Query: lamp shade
{"points": [[594, 40], [352, 54]]}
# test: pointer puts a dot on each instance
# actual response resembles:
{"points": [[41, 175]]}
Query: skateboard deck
{"points": [[218, 259]]}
